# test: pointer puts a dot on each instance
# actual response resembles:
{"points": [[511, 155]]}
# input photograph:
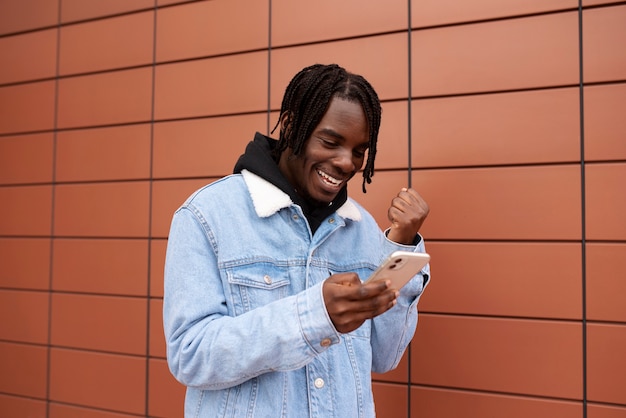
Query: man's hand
{"points": [[350, 302], [407, 214]]}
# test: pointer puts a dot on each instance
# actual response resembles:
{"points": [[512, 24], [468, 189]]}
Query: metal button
{"points": [[331, 221], [325, 342], [267, 279], [319, 383], [295, 217]]}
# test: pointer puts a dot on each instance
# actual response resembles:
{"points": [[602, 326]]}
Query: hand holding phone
{"points": [[400, 267]]}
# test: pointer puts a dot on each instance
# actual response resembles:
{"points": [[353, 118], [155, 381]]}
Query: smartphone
{"points": [[400, 267]]}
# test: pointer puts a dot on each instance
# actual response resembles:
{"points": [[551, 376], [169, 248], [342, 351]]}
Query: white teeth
{"points": [[329, 179]]}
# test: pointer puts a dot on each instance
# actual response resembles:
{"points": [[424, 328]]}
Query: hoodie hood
{"points": [[258, 159]]}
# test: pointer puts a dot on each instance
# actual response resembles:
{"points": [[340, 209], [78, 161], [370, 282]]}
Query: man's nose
{"points": [[344, 161]]}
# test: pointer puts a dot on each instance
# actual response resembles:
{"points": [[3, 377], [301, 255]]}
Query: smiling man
{"points": [[332, 156], [265, 309]]}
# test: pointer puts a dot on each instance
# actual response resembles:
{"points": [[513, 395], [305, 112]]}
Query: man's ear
{"points": [[285, 125]]}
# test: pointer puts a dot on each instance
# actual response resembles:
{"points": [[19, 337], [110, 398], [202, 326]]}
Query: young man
{"points": [[265, 312]]}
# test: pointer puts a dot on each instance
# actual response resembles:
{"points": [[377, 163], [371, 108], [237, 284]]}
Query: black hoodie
{"points": [[258, 159]]}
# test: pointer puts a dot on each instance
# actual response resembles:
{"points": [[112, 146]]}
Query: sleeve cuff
{"points": [[416, 241], [315, 324]]}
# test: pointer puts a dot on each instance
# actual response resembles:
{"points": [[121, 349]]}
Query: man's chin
{"points": [[321, 201]]}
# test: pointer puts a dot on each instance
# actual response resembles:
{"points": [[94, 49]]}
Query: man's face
{"points": [[331, 156]]}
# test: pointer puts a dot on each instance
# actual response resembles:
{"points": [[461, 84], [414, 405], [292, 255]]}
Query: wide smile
{"points": [[329, 180]]}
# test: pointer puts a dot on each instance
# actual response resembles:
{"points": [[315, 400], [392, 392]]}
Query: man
{"points": [[265, 312]]}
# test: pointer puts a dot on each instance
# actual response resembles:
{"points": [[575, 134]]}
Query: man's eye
{"points": [[328, 143]]}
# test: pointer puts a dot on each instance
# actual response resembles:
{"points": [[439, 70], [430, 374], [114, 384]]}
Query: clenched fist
{"points": [[407, 213]]}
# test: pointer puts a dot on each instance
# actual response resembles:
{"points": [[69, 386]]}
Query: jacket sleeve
{"points": [[392, 331], [207, 348]]}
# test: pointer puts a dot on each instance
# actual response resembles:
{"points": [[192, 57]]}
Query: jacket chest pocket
{"points": [[257, 285]]}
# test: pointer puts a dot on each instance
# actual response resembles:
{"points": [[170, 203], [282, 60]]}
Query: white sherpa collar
{"points": [[269, 199]]}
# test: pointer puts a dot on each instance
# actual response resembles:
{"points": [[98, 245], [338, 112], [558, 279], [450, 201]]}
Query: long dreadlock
{"points": [[307, 97]]}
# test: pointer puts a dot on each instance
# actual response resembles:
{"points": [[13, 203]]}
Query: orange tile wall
{"points": [[509, 117]]}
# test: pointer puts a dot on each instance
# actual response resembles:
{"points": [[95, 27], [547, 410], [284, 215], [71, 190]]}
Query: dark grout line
{"points": [[583, 208], [150, 211]]}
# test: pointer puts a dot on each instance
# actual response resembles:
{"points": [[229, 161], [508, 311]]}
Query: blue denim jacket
{"points": [[245, 323]]}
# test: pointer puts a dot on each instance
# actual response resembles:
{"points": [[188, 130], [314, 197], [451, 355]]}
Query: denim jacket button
{"points": [[331, 221], [319, 383], [295, 217], [267, 279], [325, 342]]}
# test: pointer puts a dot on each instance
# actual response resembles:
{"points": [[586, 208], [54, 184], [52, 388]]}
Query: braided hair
{"points": [[307, 98]]}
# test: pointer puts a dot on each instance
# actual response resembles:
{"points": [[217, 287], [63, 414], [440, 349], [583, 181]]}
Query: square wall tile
{"points": [[298, 23], [119, 210], [27, 211], [215, 86], [26, 158], [103, 99], [166, 395], [169, 2], [72, 10], [203, 147], [390, 80], [391, 400], [110, 266], [14, 406], [32, 56], [100, 380], [115, 153], [117, 42], [155, 329], [604, 57], [605, 201], [25, 263], [506, 128], [537, 51], [604, 411], [105, 323], [158, 247], [21, 15], [23, 368], [605, 124], [392, 149], [606, 363], [442, 402], [509, 285], [525, 203], [525, 357], [438, 12], [28, 313], [58, 410], [200, 29], [606, 286], [27, 107]]}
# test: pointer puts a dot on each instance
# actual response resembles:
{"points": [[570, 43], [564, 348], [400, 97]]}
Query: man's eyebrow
{"points": [[331, 132]]}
